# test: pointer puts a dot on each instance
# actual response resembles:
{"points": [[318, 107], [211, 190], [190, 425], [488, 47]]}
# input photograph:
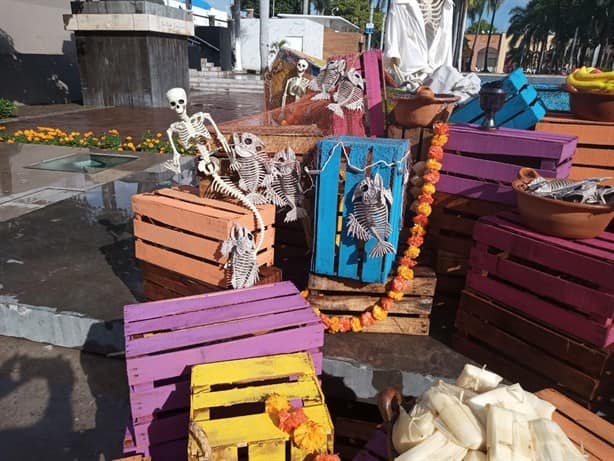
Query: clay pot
{"points": [[422, 109], [591, 105], [557, 217]]}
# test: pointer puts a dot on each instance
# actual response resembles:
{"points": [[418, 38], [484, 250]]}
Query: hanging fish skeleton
{"points": [[584, 191], [369, 219], [350, 94], [251, 166], [242, 257], [286, 189]]}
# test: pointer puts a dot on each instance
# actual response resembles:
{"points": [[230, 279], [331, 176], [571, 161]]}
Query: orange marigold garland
{"points": [[306, 434], [404, 273]]}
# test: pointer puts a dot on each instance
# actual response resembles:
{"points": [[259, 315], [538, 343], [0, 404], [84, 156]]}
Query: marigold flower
{"points": [[379, 313], [441, 128], [10, 141], [310, 437], [344, 324], [424, 209], [355, 324], [305, 293], [432, 176], [405, 261], [325, 319], [425, 198], [399, 284], [412, 251], [290, 420], [428, 188], [366, 319], [386, 303], [421, 219], [432, 164], [416, 241], [276, 403], [405, 272], [436, 152], [439, 140], [326, 457], [396, 295], [158, 135], [120, 149], [334, 324], [2, 127], [417, 229]]}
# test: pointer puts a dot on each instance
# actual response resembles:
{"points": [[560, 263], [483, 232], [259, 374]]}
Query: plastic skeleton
{"points": [[242, 257], [350, 94], [253, 168], [296, 87], [432, 11], [585, 191], [328, 78], [192, 133], [286, 190], [369, 219]]}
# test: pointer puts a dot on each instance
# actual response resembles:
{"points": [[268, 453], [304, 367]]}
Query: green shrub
{"points": [[7, 108]]}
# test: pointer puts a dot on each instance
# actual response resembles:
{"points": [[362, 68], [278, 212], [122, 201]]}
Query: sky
{"points": [[502, 17]]}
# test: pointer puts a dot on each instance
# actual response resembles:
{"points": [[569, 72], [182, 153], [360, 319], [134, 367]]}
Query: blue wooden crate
{"points": [[346, 256], [522, 109]]}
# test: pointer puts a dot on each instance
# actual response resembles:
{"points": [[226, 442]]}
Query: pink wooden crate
{"points": [[482, 164], [568, 285], [165, 338]]}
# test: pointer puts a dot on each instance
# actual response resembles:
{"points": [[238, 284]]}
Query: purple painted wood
{"points": [[162, 430], [488, 169], [598, 305], [156, 309], [171, 451], [557, 254], [376, 448], [568, 322], [476, 189], [507, 141], [216, 314], [374, 76]]}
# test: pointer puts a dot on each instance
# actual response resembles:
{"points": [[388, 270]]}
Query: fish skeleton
{"points": [[286, 189], [327, 79], [242, 259], [350, 94], [369, 219], [250, 165]]}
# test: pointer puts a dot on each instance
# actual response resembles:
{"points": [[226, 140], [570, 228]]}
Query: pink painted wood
{"points": [[165, 338], [568, 285], [374, 84]]}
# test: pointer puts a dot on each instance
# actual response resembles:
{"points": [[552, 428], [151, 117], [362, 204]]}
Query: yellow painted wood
{"points": [[249, 429], [248, 370], [304, 389], [268, 451], [224, 454]]}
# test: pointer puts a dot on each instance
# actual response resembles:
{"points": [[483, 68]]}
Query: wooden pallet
{"points": [[335, 252], [165, 338], [483, 164], [227, 403], [522, 108], [588, 431], [182, 232], [419, 139], [531, 353], [594, 155], [160, 283], [565, 284], [410, 316]]}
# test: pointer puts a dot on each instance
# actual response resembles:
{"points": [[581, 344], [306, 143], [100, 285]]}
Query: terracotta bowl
{"points": [[559, 218], [591, 105], [423, 108]]}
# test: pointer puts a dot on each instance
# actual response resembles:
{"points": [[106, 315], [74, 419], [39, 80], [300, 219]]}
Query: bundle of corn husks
{"points": [[480, 419]]}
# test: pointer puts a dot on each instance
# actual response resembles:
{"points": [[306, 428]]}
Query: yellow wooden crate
{"points": [[227, 406]]}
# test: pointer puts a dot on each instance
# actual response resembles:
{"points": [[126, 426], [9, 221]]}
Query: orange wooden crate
{"points": [[179, 231], [587, 430], [595, 152]]}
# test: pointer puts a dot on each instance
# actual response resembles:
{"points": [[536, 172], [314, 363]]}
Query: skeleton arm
{"points": [[220, 137], [174, 165], [283, 98]]}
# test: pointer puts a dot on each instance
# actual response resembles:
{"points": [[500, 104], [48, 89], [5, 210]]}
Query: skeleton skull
{"points": [[301, 66], [177, 99], [354, 76]]}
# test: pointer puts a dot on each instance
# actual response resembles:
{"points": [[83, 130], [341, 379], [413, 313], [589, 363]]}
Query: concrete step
{"points": [[227, 81]]}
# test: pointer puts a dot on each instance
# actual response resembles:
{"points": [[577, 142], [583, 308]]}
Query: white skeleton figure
{"points": [[252, 165], [327, 79], [350, 93], [242, 257], [296, 87], [192, 133]]}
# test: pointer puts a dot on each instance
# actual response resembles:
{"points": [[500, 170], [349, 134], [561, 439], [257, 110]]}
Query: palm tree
{"points": [[475, 9], [493, 6]]}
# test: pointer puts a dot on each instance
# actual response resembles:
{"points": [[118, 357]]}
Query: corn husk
{"points": [[478, 379], [435, 447], [411, 429], [551, 444], [508, 437], [474, 455], [542, 408], [456, 391], [510, 397]]}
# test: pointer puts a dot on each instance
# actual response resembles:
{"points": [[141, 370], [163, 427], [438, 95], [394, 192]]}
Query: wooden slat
{"points": [[594, 157], [268, 451], [417, 326], [477, 189], [352, 303]]}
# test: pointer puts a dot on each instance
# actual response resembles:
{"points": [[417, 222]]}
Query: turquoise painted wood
{"points": [[347, 256], [522, 109]]}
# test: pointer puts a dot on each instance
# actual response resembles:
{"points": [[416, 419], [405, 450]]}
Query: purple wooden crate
{"points": [[376, 448], [165, 338], [482, 164]]}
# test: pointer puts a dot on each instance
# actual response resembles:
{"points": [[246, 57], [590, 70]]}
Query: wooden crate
{"points": [[419, 139], [227, 403], [594, 155], [482, 164], [134, 458], [565, 284], [182, 232], [160, 283], [531, 353], [335, 253], [588, 431], [165, 338], [522, 109], [409, 316]]}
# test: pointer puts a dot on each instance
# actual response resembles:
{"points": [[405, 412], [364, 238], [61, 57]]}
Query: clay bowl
{"points": [[591, 105], [559, 218], [423, 108]]}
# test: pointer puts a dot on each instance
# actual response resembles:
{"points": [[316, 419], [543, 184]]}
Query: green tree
{"points": [[475, 9], [493, 6], [281, 6], [480, 27], [357, 12]]}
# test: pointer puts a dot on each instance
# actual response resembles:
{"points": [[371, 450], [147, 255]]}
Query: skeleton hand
{"points": [[174, 164], [209, 166]]}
